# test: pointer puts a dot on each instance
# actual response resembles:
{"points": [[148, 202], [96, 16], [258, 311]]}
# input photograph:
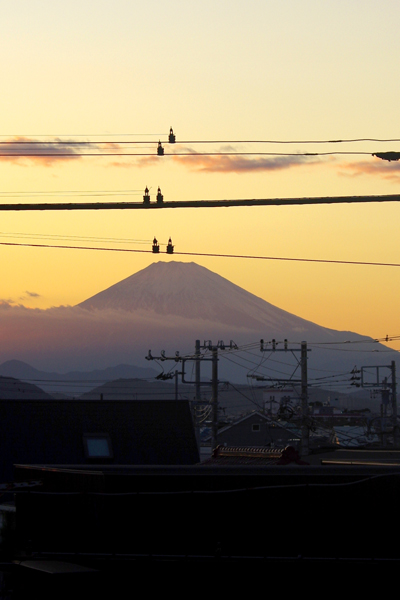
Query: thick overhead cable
{"points": [[200, 203]]}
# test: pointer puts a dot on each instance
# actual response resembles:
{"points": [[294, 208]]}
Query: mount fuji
{"points": [[167, 306], [193, 292]]}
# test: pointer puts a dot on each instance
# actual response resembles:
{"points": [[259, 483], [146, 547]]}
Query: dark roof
{"points": [[52, 431]]}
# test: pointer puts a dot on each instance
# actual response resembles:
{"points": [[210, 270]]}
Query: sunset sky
{"points": [[126, 71]]}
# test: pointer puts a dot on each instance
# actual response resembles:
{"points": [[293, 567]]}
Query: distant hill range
{"points": [[73, 383], [14, 389], [167, 306]]}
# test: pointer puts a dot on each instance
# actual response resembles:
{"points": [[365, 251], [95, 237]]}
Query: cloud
{"points": [[47, 153], [145, 161], [196, 161], [29, 295], [65, 338], [377, 168], [6, 303], [242, 164]]}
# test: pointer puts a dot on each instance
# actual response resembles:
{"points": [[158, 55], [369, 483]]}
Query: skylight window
{"points": [[97, 445]]}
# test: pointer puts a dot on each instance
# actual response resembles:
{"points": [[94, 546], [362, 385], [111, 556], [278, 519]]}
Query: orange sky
{"points": [[255, 70]]}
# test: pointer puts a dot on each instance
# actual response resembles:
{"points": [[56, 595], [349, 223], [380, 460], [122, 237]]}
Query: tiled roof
{"points": [[254, 456]]}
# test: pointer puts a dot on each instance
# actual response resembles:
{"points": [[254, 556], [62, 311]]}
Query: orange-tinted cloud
{"points": [[220, 163], [241, 164], [374, 167]]}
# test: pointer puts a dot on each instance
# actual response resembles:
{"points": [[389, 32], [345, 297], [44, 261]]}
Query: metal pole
{"points": [[305, 433], [197, 372], [214, 400], [394, 407], [196, 402]]}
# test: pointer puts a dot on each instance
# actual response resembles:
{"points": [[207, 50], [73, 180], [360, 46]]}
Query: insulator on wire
{"points": [[160, 149], [170, 248], [146, 197], [171, 137], [160, 197]]}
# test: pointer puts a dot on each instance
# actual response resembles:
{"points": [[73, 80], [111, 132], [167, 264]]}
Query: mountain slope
{"points": [[191, 291]]}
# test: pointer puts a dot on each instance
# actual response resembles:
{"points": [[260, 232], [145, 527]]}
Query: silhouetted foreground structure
{"points": [[102, 522], [255, 512], [86, 432]]}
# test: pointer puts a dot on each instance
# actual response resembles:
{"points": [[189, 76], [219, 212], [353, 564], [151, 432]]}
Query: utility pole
{"points": [[197, 396], [197, 372], [377, 382], [272, 346], [305, 432], [214, 397], [394, 406], [214, 377], [214, 383]]}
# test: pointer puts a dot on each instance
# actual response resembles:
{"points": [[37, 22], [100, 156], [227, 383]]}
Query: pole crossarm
{"points": [[377, 381], [274, 379], [183, 360], [199, 203]]}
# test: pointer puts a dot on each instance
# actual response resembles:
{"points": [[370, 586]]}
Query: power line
{"points": [[98, 154], [201, 203], [75, 238], [87, 142], [209, 254], [69, 193], [72, 135]]}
